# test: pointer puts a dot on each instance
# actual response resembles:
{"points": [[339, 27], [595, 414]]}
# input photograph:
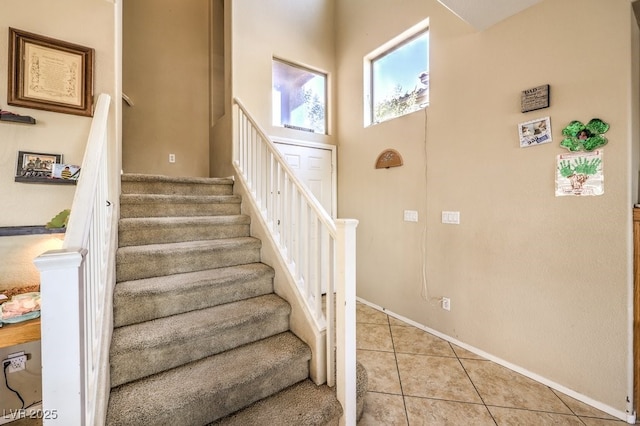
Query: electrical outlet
{"points": [[17, 362], [446, 303], [172, 158]]}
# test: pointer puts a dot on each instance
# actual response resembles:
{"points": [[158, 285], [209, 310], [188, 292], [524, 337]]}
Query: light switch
{"points": [[410, 216], [452, 218]]}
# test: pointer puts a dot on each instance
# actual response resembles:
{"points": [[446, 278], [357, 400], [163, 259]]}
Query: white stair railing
{"points": [[318, 251], [76, 295]]}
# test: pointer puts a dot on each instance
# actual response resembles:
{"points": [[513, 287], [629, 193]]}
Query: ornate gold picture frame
{"points": [[50, 74]]}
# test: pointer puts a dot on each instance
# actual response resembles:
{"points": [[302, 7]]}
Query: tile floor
{"points": [[416, 378]]}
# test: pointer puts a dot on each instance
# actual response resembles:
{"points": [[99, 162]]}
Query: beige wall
{"points": [[68, 20], [166, 75], [300, 32], [84, 22], [538, 281], [220, 134], [18, 252], [36, 204]]}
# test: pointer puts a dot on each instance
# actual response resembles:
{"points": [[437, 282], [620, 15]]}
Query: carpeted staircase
{"points": [[199, 335]]}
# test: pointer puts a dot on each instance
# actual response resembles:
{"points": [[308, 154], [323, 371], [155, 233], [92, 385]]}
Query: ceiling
{"points": [[481, 14]]}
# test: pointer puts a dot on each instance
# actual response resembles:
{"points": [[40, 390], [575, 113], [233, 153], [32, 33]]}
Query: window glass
{"points": [[400, 79], [298, 97]]}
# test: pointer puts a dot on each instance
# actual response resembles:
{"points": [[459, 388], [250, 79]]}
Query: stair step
{"points": [[301, 404], [150, 298], [150, 347], [209, 389], [141, 231], [133, 183], [155, 205], [154, 260]]}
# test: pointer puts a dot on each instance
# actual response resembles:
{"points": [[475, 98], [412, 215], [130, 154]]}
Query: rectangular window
{"points": [[299, 97], [398, 76]]}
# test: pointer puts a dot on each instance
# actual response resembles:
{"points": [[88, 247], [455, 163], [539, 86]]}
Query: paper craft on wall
{"points": [[389, 158], [581, 137], [579, 174]]}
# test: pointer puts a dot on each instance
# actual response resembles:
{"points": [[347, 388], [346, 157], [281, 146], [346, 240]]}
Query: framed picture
{"points": [[535, 132], [50, 74], [34, 165], [65, 171]]}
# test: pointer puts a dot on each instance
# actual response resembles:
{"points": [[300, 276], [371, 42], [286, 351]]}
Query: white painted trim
{"points": [[334, 165], [582, 398]]}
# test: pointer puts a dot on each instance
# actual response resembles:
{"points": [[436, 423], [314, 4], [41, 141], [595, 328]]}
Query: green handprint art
{"points": [[581, 137]]}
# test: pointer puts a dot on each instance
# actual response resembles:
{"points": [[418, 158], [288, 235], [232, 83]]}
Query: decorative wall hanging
{"points": [[65, 171], [389, 158], [534, 98], [37, 167], [50, 74], [535, 132], [579, 174], [581, 137]]}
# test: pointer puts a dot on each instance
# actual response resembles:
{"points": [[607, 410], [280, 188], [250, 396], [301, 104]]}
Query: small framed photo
{"points": [[34, 165], [50, 74], [535, 132], [65, 171]]}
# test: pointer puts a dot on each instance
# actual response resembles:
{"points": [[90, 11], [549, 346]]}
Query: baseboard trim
{"points": [[622, 415]]}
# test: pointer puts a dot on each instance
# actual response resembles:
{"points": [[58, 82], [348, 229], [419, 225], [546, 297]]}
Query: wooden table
{"points": [[21, 332]]}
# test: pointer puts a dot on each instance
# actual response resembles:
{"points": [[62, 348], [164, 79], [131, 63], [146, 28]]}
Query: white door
{"points": [[312, 166]]}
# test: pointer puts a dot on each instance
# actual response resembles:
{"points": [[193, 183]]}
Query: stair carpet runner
{"points": [[199, 335]]}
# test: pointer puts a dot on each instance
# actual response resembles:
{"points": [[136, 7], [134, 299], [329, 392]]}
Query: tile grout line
{"points": [[395, 357], [567, 405], [473, 384]]}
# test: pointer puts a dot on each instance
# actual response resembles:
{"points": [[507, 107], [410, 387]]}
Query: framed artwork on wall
{"points": [[35, 165], [49, 74], [535, 132]]}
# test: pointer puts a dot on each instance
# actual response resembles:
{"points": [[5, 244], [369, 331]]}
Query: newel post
{"points": [[62, 341], [346, 319]]}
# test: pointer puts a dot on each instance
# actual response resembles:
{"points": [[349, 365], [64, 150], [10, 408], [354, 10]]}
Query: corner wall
{"points": [[56, 133], [539, 281], [88, 23], [166, 61]]}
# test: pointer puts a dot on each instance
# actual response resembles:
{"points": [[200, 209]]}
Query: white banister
{"points": [[75, 287], [346, 318], [318, 251]]}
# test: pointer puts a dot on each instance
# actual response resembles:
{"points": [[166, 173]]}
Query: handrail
{"points": [[318, 251], [75, 289]]}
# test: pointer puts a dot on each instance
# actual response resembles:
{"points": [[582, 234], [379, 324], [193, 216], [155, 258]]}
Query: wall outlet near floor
{"points": [[17, 362], [446, 303], [172, 158]]}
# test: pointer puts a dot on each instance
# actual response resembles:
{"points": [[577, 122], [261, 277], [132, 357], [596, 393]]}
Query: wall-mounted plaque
{"points": [[535, 98]]}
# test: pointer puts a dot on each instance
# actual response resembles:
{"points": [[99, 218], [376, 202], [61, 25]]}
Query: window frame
{"points": [[310, 70], [392, 45]]}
